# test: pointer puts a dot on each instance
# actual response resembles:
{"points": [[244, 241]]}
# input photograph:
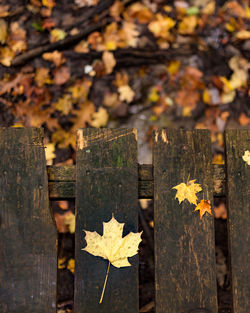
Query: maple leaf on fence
{"points": [[112, 246], [187, 191], [203, 206]]}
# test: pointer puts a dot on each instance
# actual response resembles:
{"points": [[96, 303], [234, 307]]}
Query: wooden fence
{"points": [[107, 180]]}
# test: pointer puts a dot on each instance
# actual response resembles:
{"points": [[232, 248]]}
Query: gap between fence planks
{"points": [[62, 181]]}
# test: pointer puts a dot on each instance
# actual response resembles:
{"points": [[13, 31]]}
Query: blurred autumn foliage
{"points": [[72, 64]]}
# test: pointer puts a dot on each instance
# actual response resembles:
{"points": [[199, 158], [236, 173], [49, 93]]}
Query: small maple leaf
{"points": [[204, 206], [187, 191], [111, 246], [246, 157], [126, 93]]}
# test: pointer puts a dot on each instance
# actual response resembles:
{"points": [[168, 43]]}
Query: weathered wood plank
{"points": [[28, 236], [107, 183], [184, 243], [238, 199], [61, 173], [62, 181]]}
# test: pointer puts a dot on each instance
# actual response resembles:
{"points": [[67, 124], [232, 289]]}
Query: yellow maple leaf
{"points": [[187, 191], [112, 246], [204, 206]]}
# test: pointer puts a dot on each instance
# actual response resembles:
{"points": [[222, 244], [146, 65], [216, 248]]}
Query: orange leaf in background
{"points": [[61, 75], [111, 100], [121, 79], [187, 25], [4, 10], [49, 3], [82, 47], [220, 211], [3, 31], [116, 9], [56, 57], [204, 206], [42, 76], [235, 8], [6, 56], [187, 98], [244, 120], [161, 26], [138, 11]]}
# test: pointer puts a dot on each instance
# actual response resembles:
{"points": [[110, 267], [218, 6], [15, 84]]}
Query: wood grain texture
{"points": [[238, 199], [28, 236], [184, 244], [62, 181], [106, 184]]}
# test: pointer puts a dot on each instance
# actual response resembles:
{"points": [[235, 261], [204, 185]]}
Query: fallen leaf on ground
{"points": [[161, 26], [188, 191], [244, 120], [86, 3], [56, 57], [61, 75], [126, 93], [204, 206], [100, 118], [3, 31], [109, 61], [57, 34], [71, 265], [112, 246]]}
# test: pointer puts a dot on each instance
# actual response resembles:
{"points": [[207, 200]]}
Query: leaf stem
{"points": [[105, 282]]}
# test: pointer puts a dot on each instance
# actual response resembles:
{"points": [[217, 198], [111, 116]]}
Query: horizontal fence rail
{"points": [[62, 180], [107, 180]]}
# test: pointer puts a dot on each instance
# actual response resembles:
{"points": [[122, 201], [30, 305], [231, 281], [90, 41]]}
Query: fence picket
{"points": [[238, 199], [27, 234], [106, 184], [184, 243]]}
